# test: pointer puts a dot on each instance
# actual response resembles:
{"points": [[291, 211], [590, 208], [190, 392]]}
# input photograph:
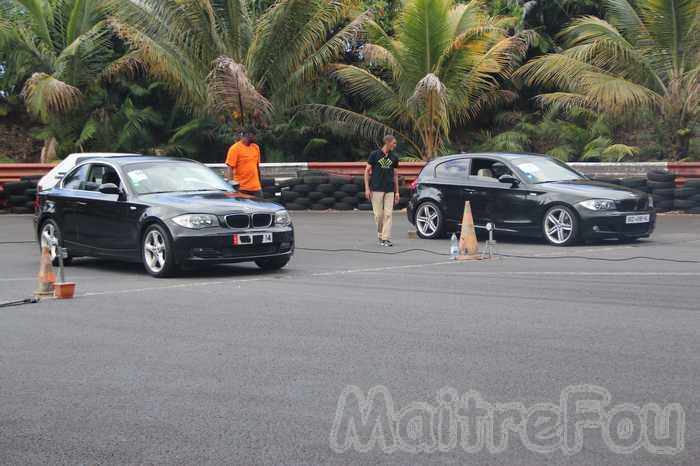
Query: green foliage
{"points": [[645, 56], [572, 136], [443, 68]]}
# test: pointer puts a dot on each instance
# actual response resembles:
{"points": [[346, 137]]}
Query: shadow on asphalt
{"points": [[203, 271]]}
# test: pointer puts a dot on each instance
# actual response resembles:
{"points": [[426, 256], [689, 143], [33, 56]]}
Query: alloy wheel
{"points": [[427, 220], [154, 250], [559, 225]]}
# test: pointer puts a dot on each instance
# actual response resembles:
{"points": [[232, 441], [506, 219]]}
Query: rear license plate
{"points": [[252, 238], [637, 219]]}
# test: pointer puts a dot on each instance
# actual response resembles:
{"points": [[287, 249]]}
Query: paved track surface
{"points": [[234, 366]]}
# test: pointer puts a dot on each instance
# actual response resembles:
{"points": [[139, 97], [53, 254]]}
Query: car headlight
{"points": [[197, 221], [282, 218], [599, 204]]}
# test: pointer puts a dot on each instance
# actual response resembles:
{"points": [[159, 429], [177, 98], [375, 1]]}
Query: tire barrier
{"points": [[18, 197], [319, 190]]}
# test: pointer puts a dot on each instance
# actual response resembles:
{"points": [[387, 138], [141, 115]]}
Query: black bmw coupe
{"points": [[163, 212], [526, 194]]}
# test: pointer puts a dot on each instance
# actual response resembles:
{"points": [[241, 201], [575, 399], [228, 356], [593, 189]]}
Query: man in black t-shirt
{"points": [[382, 187]]}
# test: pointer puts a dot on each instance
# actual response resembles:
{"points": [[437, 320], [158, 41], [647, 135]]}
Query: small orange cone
{"points": [[468, 245], [47, 277]]}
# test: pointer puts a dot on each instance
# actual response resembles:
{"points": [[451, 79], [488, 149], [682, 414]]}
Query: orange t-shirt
{"points": [[245, 161]]}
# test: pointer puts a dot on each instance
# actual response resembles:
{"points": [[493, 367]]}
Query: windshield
{"points": [[544, 170], [171, 177]]}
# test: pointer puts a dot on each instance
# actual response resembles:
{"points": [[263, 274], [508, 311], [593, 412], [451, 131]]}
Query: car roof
{"points": [[132, 159], [497, 155]]}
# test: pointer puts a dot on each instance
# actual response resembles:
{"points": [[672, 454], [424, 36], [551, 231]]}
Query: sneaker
{"points": [[388, 243]]}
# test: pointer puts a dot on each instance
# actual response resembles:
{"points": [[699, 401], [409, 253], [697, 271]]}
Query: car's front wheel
{"points": [[50, 237], [429, 220], [273, 263], [157, 252], [560, 226]]}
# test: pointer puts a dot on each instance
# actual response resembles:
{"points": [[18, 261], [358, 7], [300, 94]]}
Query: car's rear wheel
{"points": [[157, 252], [50, 237], [429, 220], [273, 263], [560, 226]]}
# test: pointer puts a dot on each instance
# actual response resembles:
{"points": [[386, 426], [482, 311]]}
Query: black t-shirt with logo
{"points": [[383, 166]]}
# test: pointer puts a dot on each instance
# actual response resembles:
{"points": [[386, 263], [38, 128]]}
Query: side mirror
{"points": [[236, 185], [109, 188], [509, 179]]}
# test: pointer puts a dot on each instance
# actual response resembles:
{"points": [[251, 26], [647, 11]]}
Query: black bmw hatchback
{"points": [[526, 194], [163, 212]]}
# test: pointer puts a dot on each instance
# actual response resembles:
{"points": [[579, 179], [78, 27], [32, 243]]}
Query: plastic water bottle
{"points": [[454, 246]]}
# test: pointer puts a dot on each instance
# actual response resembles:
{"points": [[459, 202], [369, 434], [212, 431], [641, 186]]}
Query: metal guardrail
{"points": [[408, 170], [15, 171]]}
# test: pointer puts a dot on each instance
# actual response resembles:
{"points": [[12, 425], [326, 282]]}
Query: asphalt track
{"points": [[234, 366]]}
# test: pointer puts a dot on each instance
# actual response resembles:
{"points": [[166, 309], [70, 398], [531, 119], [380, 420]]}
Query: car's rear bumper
{"points": [[613, 224], [219, 248]]}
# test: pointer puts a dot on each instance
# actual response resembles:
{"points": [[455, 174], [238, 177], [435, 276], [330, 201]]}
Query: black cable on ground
{"points": [[20, 302], [513, 256]]}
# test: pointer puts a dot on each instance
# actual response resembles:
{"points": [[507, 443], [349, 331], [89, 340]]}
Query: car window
{"points": [[452, 169], [76, 178], [101, 174], [543, 170], [488, 169], [185, 176]]}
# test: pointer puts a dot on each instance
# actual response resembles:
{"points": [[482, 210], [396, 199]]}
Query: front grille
{"points": [[238, 221], [631, 205], [249, 221], [262, 220]]}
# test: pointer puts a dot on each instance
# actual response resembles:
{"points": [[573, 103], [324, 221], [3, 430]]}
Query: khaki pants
{"points": [[383, 207]]}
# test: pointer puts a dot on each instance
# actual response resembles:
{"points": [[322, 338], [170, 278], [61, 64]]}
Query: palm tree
{"points": [[218, 57], [56, 50], [640, 58], [445, 66], [574, 135]]}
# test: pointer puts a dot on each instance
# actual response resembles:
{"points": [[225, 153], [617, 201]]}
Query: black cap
{"points": [[249, 130]]}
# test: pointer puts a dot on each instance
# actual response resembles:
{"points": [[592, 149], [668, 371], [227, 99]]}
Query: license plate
{"points": [[638, 219], [252, 238]]}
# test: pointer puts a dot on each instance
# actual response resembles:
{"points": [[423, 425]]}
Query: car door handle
{"points": [[469, 191], [81, 203]]}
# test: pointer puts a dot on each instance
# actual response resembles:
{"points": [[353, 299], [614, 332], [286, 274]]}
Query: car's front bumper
{"points": [[216, 246], [612, 224]]}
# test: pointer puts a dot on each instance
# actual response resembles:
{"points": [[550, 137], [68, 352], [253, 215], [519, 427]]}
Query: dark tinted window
{"points": [[452, 169], [76, 178], [102, 174], [488, 169]]}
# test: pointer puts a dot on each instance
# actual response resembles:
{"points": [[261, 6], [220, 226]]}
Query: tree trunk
{"points": [[48, 152]]}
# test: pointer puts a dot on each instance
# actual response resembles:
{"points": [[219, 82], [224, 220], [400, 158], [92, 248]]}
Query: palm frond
{"points": [[230, 90], [46, 96]]}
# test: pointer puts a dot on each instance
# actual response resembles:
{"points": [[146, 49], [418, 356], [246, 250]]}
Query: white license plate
{"points": [[638, 218], [247, 239]]}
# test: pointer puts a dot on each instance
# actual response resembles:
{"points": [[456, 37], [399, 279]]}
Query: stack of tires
{"points": [[687, 198], [315, 190], [19, 196], [662, 186]]}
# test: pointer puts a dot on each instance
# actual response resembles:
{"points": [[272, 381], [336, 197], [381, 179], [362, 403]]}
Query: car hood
{"points": [[591, 189], [211, 202]]}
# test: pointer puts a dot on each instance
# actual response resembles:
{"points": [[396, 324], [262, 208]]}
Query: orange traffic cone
{"points": [[468, 245], [47, 277]]}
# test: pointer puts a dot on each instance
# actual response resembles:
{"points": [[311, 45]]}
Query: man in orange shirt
{"points": [[243, 160]]}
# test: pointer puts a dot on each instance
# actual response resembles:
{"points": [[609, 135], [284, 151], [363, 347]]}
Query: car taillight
{"points": [[413, 185]]}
